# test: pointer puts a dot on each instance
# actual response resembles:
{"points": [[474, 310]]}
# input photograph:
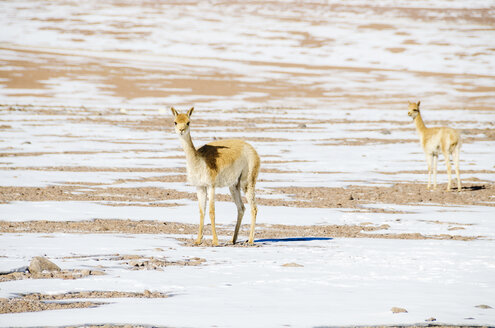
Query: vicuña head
{"points": [[413, 109], [224, 163], [435, 140], [182, 121]]}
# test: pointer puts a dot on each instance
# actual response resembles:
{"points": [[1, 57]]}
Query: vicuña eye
{"points": [[175, 123], [187, 123]]}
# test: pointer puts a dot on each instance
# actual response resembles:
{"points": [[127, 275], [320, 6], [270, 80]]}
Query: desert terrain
{"points": [[93, 178]]}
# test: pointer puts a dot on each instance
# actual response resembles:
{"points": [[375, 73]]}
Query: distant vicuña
{"points": [[224, 163], [436, 139]]}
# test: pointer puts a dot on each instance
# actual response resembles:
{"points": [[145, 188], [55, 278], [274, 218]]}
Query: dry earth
{"points": [[263, 231], [30, 69], [63, 274], [401, 326], [310, 197], [43, 302]]}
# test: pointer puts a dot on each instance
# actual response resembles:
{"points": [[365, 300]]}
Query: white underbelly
{"points": [[225, 178]]}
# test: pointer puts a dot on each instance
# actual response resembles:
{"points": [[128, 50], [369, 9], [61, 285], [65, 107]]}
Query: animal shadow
{"points": [[473, 188], [278, 240]]}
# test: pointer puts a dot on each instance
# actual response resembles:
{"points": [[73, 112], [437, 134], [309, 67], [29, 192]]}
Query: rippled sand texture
{"points": [[342, 55], [93, 178]]}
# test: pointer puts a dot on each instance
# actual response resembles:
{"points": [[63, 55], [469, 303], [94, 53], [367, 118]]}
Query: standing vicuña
{"points": [[225, 163], [434, 140]]}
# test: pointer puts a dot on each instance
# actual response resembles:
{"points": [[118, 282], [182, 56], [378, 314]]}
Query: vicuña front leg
{"points": [[211, 205], [429, 162], [201, 191]]}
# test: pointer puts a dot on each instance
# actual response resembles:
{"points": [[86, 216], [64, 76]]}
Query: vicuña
{"points": [[435, 140], [224, 163]]}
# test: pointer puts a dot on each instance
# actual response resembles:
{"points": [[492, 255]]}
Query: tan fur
{"points": [[435, 140], [225, 163]]}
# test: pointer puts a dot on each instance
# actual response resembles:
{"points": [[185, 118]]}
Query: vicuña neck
{"points": [[189, 149], [420, 125]]}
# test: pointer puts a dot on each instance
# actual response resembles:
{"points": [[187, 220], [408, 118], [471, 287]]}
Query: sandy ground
{"points": [[311, 197], [429, 325], [42, 302], [264, 231], [268, 97]]}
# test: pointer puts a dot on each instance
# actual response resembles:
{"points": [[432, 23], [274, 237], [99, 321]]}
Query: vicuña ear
{"points": [[174, 112], [419, 102], [189, 112]]}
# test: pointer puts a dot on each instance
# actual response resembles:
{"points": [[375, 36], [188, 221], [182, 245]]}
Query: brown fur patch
{"points": [[211, 155]]}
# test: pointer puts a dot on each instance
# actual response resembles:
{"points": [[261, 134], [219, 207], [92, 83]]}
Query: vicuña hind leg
{"points": [[211, 205], [201, 191], [254, 212], [435, 162], [235, 191], [449, 173], [455, 156]]}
